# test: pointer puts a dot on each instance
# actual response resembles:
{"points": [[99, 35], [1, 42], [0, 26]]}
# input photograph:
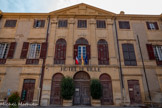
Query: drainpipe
{"points": [[44, 61], [120, 67], [143, 65]]}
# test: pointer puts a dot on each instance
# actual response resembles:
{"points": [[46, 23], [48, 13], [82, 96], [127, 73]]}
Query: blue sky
{"points": [[45, 6]]}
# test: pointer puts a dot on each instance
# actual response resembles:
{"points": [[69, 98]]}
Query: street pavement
{"points": [[79, 107]]}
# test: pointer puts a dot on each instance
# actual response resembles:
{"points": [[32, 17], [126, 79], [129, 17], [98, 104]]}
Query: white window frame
{"points": [[4, 50], [152, 26], [158, 52], [81, 53], [33, 48]]}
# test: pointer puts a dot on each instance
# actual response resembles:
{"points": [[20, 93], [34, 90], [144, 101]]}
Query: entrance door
{"points": [[55, 98], [107, 98], [82, 89], [134, 91], [28, 91]]}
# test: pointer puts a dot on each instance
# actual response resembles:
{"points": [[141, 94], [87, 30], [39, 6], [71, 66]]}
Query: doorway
{"points": [[107, 98], [55, 98], [27, 93], [82, 89], [134, 91]]}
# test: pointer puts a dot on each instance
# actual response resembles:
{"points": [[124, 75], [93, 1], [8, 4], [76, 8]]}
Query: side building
{"points": [[123, 51]]}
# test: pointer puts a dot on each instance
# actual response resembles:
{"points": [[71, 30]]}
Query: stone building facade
{"points": [[123, 51]]}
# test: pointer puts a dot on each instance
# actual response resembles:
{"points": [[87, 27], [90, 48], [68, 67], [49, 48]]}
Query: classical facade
{"points": [[84, 42]]}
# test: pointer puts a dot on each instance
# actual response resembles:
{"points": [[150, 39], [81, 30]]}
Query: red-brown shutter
{"points": [[150, 51], [156, 25], [75, 51], [107, 52], [88, 51], [11, 50], [64, 51], [148, 26], [42, 23], [56, 51], [24, 50], [99, 53], [43, 50]]}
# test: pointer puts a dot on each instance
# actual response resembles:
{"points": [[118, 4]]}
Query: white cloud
{"points": [[129, 6]]}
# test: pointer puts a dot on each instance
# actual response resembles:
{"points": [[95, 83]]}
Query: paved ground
{"points": [[76, 107]]}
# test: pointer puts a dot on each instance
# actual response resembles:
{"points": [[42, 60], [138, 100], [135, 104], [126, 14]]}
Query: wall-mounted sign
{"points": [[82, 68], [130, 89]]}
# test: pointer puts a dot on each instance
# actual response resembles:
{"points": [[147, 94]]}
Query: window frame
{"points": [[10, 23], [39, 22], [35, 51], [82, 51], [152, 25], [103, 26], [79, 23], [104, 60], [122, 25], [60, 47], [64, 21], [130, 53], [4, 53]]}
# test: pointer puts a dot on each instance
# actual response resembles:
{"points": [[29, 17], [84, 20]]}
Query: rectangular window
{"points": [[152, 25], [62, 23], [39, 23], [124, 25], [4, 47], [81, 52], [34, 51], [10, 23], [129, 55], [82, 23], [158, 54], [101, 24]]}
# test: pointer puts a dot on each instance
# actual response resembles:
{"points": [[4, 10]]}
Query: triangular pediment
{"points": [[81, 9]]}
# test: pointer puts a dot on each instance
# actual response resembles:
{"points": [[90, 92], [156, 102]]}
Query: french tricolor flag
{"points": [[76, 60]]}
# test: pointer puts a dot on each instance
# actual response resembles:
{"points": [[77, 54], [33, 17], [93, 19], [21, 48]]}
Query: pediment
{"points": [[81, 9]]}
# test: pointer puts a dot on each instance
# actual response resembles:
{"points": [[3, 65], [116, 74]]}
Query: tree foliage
{"points": [[67, 88], [14, 100], [96, 89]]}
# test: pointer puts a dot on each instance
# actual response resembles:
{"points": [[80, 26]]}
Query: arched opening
{"points": [[107, 98], [82, 89], [55, 98], [82, 51], [103, 53], [60, 52]]}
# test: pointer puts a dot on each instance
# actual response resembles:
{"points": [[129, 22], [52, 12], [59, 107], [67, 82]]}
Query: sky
{"points": [[153, 7]]}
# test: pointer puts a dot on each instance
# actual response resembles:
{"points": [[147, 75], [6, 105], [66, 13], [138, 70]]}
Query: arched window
{"points": [[129, 54], [103, 55], [60, 52], [82, 51]]}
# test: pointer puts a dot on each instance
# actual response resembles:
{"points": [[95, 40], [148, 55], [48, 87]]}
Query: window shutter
{"points": [[24, 50], [56, 51], [107, 52], [150, 51], [156, 25], [88, 51], [99, 52], [75, 51], [35, 22], [43, 50], [11, 50], [64, 52], [42, 23], [148, 26]]}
